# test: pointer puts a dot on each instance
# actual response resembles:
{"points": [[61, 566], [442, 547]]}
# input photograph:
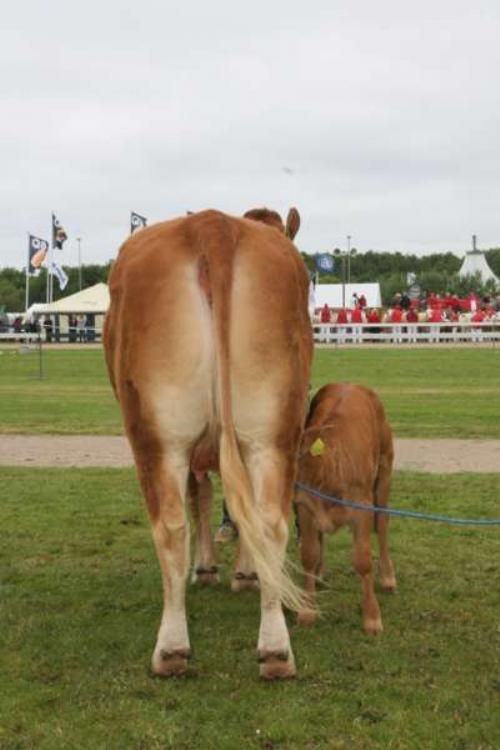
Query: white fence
{"points": [[328, 333], [408, 333]]}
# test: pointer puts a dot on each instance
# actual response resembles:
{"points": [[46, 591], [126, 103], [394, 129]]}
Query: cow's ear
{"points": [[292, 223]]}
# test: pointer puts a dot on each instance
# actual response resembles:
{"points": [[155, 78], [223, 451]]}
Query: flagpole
{"points": [[49, 259], [79, 241], [27, 295]]}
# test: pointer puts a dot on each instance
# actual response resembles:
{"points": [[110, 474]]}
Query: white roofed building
{"points": [[475, 262]]}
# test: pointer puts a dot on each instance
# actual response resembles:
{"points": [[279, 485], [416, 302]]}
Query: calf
{"points": [[347, 452]]}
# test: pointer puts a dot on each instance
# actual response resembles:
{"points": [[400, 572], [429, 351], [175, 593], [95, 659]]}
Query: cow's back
{"points": [[160, 333]]}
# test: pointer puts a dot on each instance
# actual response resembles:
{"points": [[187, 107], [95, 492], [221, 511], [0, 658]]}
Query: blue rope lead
{"points": [[395, 512]]}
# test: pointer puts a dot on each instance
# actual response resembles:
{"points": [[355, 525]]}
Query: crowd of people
{"points": [[410, 313]]}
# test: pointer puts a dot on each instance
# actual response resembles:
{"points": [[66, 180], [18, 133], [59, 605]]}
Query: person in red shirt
{"points": [[396, 317], [373, 317], [412, 317], [362, 301], [357, 319], [477, 332], [326, 314], [341, 322], [434, 316]]}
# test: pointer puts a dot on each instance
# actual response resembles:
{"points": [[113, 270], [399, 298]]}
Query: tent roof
{"points": [[331, 294], [475, 262], [94, 299]]}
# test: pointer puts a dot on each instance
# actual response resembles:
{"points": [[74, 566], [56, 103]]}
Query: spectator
{"points": [[435, 315], [362, 301], [81, 327], [357, 319], [341, 321], [373, 316], [477, 319], [47, 325], [72, 328], [326, 314], [396, 317], [405, 301], [412, 319]]}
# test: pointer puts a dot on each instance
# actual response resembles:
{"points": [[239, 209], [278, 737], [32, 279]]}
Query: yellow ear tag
{"points": [[317, 448]]}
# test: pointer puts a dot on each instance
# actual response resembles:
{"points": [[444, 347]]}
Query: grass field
{"points": [[81, 599], [428, 393]]}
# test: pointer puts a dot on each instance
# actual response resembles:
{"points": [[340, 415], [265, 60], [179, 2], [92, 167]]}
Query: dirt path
{"points": [[440, 456]]}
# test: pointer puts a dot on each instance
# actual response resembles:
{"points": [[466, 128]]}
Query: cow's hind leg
{"points": [[244, 577], [362, 560], [268, 475], [200, 496], [163, 478]]}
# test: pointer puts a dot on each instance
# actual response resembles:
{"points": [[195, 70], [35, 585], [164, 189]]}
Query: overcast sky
{"points": [[380, 120]]}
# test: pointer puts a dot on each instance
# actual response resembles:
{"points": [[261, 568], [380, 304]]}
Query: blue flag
{"points": [[325, 263]]}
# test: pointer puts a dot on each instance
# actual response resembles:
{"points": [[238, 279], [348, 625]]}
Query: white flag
{"points": [[61, 275], [312, 299]]}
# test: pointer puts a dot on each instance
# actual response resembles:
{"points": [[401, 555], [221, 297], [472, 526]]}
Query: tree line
{"points": [[434, 273]]}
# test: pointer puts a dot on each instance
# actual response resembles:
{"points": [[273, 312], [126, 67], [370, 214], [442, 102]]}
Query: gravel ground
{"points": [[439, 456]]}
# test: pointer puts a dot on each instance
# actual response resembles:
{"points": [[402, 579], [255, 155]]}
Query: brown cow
{"points": [[346, 452], [208, 345]]}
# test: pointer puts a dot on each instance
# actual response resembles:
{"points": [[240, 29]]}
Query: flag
{"points": [[325, 263], [37, 253], [59, 235], [60, 274], [136, 222], [312, 299]]}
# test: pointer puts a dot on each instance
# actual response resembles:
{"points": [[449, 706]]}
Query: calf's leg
{"points": [[311, 555], [382, 491], [362, 560]]}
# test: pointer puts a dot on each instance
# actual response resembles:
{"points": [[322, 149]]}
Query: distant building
{"points": [[475, 262]]}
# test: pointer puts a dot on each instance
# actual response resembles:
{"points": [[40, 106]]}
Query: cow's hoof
{"points": [[388, 584], [206, 576], [306, 617], [276, 665], [171, 663], [373, 627], [244, 582]]}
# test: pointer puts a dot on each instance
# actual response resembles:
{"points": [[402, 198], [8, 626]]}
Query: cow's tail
{"points": [[218, 257]]}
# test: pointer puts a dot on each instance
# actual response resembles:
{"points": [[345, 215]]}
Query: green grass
{"points": [[81, 602], [428, 393]]}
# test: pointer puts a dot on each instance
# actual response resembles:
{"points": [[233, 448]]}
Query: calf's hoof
{"points": [[171, 663], [244, 582], [306, 617], [373, 627], [276, 665]]}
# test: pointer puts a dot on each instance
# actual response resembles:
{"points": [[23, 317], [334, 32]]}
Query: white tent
{"points": [[331, 294], [94, 300], [475, 262]]}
